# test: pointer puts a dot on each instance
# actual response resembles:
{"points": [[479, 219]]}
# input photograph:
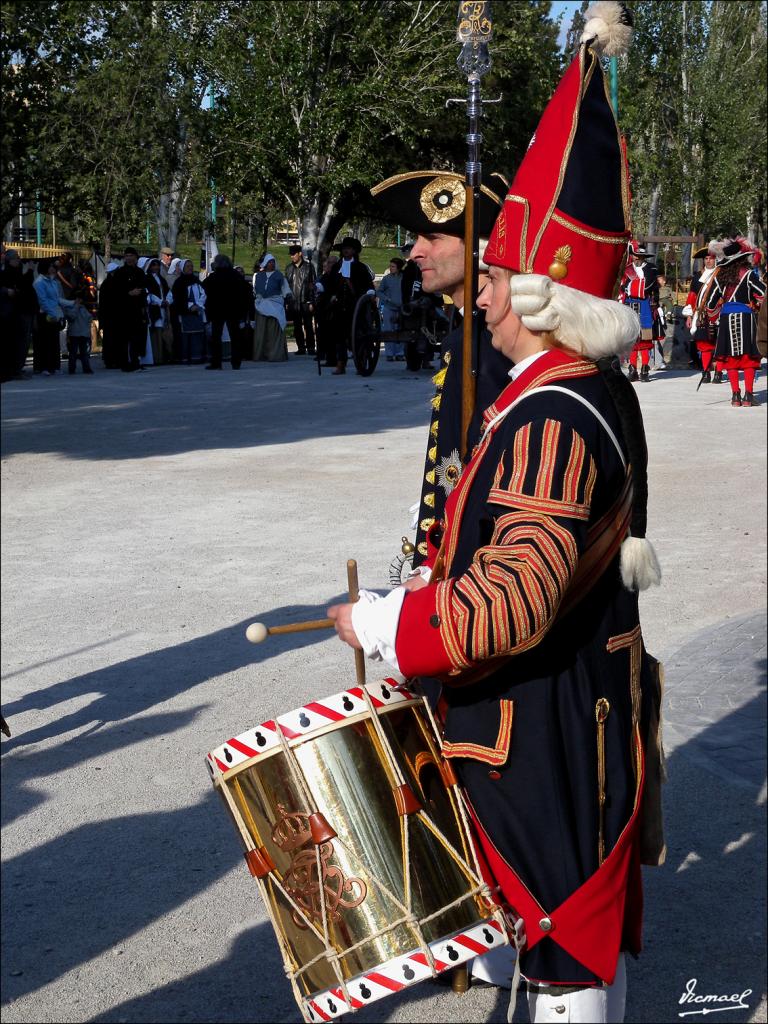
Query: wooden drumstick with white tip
{"points": [[258, 631]]}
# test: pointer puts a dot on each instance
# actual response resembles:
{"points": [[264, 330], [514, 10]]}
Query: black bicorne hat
{"points": [[429, 202], [348, 243]]}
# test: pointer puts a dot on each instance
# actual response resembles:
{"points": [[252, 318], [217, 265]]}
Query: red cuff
{"points": [[419, 643]]}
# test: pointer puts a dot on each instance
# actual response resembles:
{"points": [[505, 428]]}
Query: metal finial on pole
{"points": [[473, 31]]}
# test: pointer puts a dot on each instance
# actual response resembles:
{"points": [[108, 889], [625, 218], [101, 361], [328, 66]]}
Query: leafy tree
{"points": [[39, 45], [693, 106], [315, 101], [325, 98]]}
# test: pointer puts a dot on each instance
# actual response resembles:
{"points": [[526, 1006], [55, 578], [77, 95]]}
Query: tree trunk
{"points": [[685, 255], [107, 249], [172, 202], [332, 224], [753, 226], [653, 218], [311, 231]]}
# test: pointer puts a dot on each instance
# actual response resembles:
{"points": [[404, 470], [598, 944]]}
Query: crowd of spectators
{"points": [[156, 310]]}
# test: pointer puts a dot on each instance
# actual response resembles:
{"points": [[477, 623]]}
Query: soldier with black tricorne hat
{"points": [[430, 204], [640, 291], [700, 319], [347, 281], [735, 298]]}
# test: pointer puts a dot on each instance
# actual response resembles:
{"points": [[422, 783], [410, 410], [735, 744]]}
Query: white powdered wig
{"points": [[606, 24], [581, 322], [639, 565]]}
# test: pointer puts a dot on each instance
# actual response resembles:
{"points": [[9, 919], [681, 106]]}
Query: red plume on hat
{"points": [[567, 211]]}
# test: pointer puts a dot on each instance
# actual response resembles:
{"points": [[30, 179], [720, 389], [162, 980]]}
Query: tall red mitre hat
{"points": [[567, 211]]}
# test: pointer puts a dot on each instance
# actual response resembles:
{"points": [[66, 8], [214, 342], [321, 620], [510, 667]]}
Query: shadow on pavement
{"points": [[81, 894], [108, 723], [171, 411], [132, 686]]}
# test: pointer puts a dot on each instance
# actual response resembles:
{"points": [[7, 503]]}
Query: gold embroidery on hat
{"points": [[558, 268], [442, 199], [593, 235], [512, 198]]}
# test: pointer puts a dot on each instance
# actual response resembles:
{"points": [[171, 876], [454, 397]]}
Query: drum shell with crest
{"points": [[392, 882]]}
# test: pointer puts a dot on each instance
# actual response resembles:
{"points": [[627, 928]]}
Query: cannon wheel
{"points": [[366, 335]]}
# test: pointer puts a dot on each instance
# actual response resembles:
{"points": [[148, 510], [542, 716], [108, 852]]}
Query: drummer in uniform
{"points": [[430, 204], [640, 291], [530, 616]]}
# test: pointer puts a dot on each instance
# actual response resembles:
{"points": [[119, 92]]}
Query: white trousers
{"points": [[587, 1006]]}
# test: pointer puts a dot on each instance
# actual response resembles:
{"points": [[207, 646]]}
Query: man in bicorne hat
{"points": [[347, 282], [640, 291], [430, 204], [700, 321], [530, 616]]}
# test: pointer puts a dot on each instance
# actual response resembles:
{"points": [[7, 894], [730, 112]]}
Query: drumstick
{"points": [[258, 631], [354, 595]]}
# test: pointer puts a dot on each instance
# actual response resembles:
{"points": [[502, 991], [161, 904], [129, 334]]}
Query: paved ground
{"points": [[148, 518]]}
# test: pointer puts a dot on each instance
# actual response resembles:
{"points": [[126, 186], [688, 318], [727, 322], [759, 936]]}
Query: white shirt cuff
{"points": [[421, 570], [375, 620]]}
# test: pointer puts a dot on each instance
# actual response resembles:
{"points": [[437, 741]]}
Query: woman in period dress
{"points": [[270, 289]]}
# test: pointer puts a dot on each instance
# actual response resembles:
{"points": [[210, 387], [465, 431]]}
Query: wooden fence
{"points": [[28, 251]]}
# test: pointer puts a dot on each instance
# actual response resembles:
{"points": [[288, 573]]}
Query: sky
{"points": [[566, 9]]}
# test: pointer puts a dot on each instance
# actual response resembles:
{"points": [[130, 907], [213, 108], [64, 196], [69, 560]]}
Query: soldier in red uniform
{"points": [[701, 320], [640, 291], [527, 608], [734, 300]]}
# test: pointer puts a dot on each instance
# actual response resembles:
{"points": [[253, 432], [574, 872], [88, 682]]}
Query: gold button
{"points": [[546, 924]]}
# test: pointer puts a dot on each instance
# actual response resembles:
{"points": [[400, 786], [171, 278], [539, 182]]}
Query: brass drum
{"points": [[355, 831]]}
